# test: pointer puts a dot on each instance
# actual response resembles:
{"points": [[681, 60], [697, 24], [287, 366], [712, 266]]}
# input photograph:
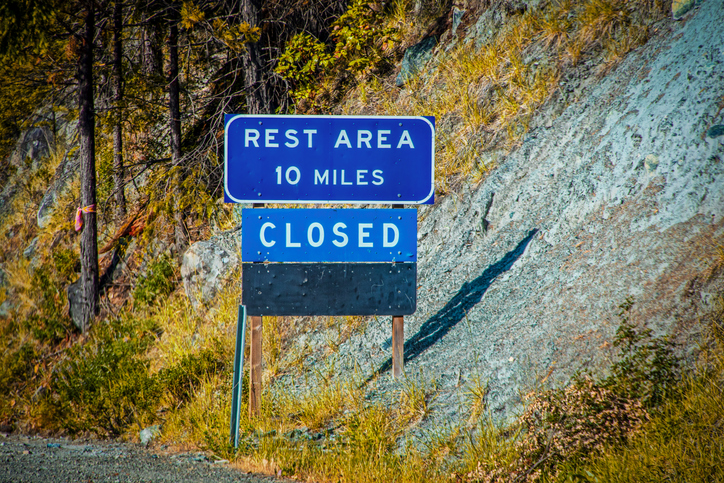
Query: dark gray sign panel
{"points": [[329, 288]]}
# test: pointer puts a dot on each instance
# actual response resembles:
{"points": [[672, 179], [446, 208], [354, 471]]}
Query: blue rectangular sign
{"points": [[329, 235], [329, 159]]}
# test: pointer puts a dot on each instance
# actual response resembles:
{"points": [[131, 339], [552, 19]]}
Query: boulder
{"points": [[75, 302], [715, 131], [149, 434], [207, 265], [680, 7], [415, 58]]}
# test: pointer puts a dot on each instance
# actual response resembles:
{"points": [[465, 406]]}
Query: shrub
{"points": [[159, 281], [181, 381], [104, 385], [16, 369], [361, 45], [49, 322], [565, 426]]}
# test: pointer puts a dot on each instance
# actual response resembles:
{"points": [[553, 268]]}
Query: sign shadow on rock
{"points": [[437, 326]]}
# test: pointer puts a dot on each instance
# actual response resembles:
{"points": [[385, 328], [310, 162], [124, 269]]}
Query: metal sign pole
{"points": [[238, 375], [398, 339]]}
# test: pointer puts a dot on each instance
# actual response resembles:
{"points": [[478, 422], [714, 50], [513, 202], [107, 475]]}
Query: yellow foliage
{"points": [[191, 14]]}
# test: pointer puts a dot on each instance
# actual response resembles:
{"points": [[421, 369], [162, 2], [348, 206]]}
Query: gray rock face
{"points": [[63, 175], [206, 266], [415, 58], [29, 251], [35, 144], [457, 17], [622, 195]]}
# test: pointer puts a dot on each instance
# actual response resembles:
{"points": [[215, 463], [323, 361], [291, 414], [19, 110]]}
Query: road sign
{"points": [[329, 288], [329, 159], [329, 235]]}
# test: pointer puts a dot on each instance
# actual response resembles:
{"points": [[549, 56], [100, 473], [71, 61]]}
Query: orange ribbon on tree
{"points": [[79, 215]]}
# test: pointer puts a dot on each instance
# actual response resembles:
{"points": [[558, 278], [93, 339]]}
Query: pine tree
{"points": [[118, 168], [26, 29]]}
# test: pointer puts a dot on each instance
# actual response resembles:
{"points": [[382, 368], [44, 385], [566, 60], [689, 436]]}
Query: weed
{"points": [[475, 392], [66, 262], [372, 432], [49, 322], [601, 19], [104, 385], [563, 427], [314, 409], [272, 346], [683, 440], [555, 25], [182, 381], [648, 370], [159, 281], [414, 399], [17, 368], [203, 419], [489, 451]]}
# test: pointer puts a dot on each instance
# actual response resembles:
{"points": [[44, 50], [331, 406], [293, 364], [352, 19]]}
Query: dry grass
{"points": [[483, 97], [415, 398]]}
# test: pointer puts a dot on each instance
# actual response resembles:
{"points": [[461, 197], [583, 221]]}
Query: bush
{"points": [[562, 427], [159, 281], [16, 369], [362, 44], [104, 386], [49, 322], [182, 380]]}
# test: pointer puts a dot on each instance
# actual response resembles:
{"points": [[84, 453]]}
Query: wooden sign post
{"points": [[398, 346], [255, 338]]}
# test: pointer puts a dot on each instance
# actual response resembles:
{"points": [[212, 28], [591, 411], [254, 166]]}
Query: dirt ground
{"points": [[56, 460]]}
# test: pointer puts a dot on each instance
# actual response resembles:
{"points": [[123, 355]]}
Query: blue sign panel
{"points": [[329, 159], [327, 235]]}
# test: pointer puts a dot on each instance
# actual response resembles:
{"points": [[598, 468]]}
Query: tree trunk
{"points": [[151, 52], [86, 132], [181, 236], [257, 94], [118, 169]]}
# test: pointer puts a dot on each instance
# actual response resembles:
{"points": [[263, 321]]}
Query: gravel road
{"points": [[52, 460]]}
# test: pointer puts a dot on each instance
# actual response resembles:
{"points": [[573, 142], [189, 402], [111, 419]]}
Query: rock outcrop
{"points": [[207, 265], [618, 195]]}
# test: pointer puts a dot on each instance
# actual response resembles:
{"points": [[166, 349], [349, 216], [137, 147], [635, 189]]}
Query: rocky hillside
{"points": [[615, 193]]}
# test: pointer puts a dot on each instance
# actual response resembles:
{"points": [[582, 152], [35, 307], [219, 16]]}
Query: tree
{"points": [[25, 30], [279, 21], [118, 169], [87, 151], [174, 113]]}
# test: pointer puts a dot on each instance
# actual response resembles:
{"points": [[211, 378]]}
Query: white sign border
{"points": [[358, 202]]}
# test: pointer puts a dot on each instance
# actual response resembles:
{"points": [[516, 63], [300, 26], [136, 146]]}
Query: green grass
{"points": [[683, 441]]}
